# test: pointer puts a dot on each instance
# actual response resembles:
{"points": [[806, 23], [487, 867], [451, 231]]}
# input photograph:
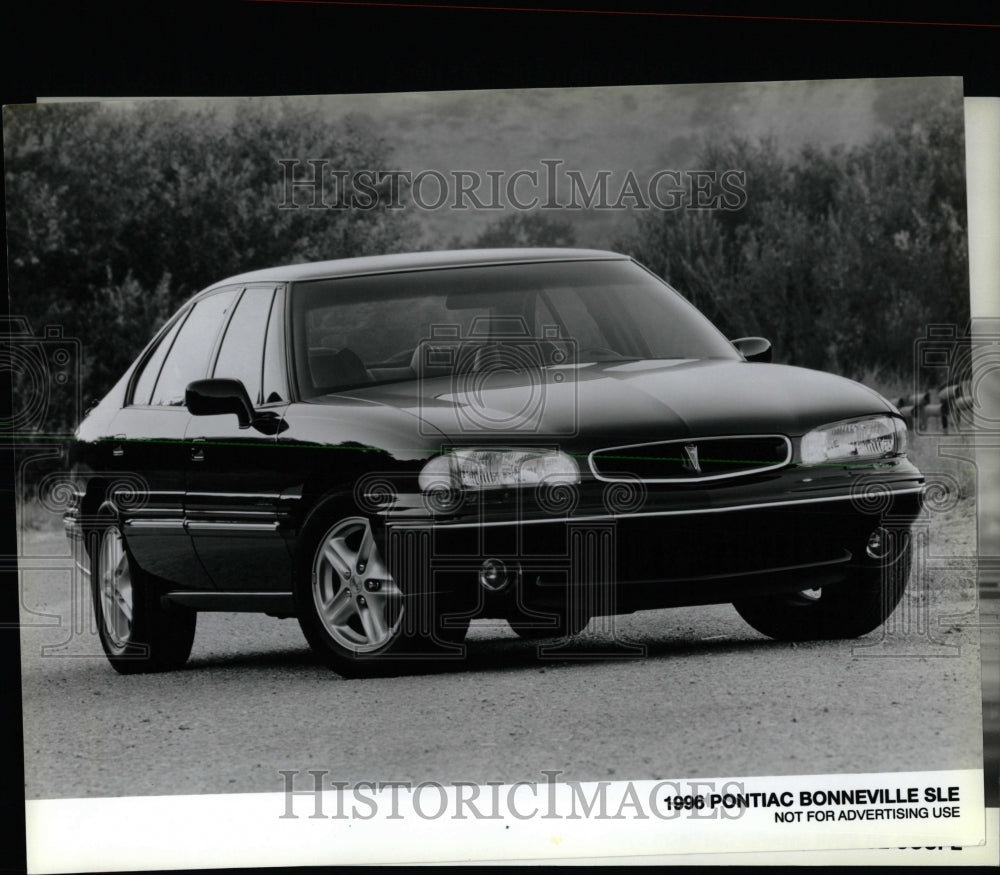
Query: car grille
{"points": [[736, 543], [692, 460]]}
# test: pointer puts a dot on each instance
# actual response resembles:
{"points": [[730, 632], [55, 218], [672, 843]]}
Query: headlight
{"points": [[873, 437], [487, 469]]}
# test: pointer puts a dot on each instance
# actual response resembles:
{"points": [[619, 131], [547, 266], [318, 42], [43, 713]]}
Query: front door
{"points": [[234, 480]]}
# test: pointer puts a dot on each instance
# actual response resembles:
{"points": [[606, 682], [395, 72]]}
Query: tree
{"points": [[117, 214], [841, 257], [524, 229]]}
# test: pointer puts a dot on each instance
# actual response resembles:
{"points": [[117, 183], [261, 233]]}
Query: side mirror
{"points": [[212, 397], [753, 349]]}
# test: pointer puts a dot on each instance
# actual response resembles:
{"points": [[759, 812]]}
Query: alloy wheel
{"points": [[357, 600], [115, 588]]}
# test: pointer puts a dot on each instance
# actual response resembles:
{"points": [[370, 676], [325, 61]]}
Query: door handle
{"points": [[118, 450], [198, 450]]}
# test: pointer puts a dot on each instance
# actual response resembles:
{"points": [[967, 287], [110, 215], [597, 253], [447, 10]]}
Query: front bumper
{"points": [[787, 532]]}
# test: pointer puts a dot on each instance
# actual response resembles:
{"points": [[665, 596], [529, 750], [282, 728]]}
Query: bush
{"points": [[840, 257], [118, 214]]}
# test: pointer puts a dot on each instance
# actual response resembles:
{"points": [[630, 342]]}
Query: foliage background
{"points": [[842, 255]]}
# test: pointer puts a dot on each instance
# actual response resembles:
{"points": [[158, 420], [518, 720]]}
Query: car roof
{"points": [[370, 264]]}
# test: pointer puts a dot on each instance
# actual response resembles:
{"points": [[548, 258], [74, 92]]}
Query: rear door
{"points": [[148, 443]]}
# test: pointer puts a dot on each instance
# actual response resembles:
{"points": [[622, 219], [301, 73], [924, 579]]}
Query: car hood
{"points": [[603, 403]]}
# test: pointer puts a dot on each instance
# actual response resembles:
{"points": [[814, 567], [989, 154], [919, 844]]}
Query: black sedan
{"points": [[388, 447]]}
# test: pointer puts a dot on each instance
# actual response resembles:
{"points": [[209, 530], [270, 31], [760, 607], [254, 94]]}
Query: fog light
{"points": [[878, 544], [493, 575]]}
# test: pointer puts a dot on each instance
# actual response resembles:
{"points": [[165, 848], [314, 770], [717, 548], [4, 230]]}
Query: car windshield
{"points": [[355, 331]]}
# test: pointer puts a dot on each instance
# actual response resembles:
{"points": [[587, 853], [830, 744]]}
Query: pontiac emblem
{"points": [[692, 458]]}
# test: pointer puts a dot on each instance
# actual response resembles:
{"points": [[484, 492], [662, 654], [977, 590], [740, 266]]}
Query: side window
{"points": [[189, 356], [275, 383], [242, 349], [151, 370]]}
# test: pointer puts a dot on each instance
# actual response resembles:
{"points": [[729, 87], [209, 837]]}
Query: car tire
{"points": [[137, 632], [355, 616], [849, 609]]}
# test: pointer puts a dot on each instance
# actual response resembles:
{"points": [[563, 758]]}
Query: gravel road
{"points": [[709, 698]]}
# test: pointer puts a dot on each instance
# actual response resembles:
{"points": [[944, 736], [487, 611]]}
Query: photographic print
{"points": [[591, 466]]}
